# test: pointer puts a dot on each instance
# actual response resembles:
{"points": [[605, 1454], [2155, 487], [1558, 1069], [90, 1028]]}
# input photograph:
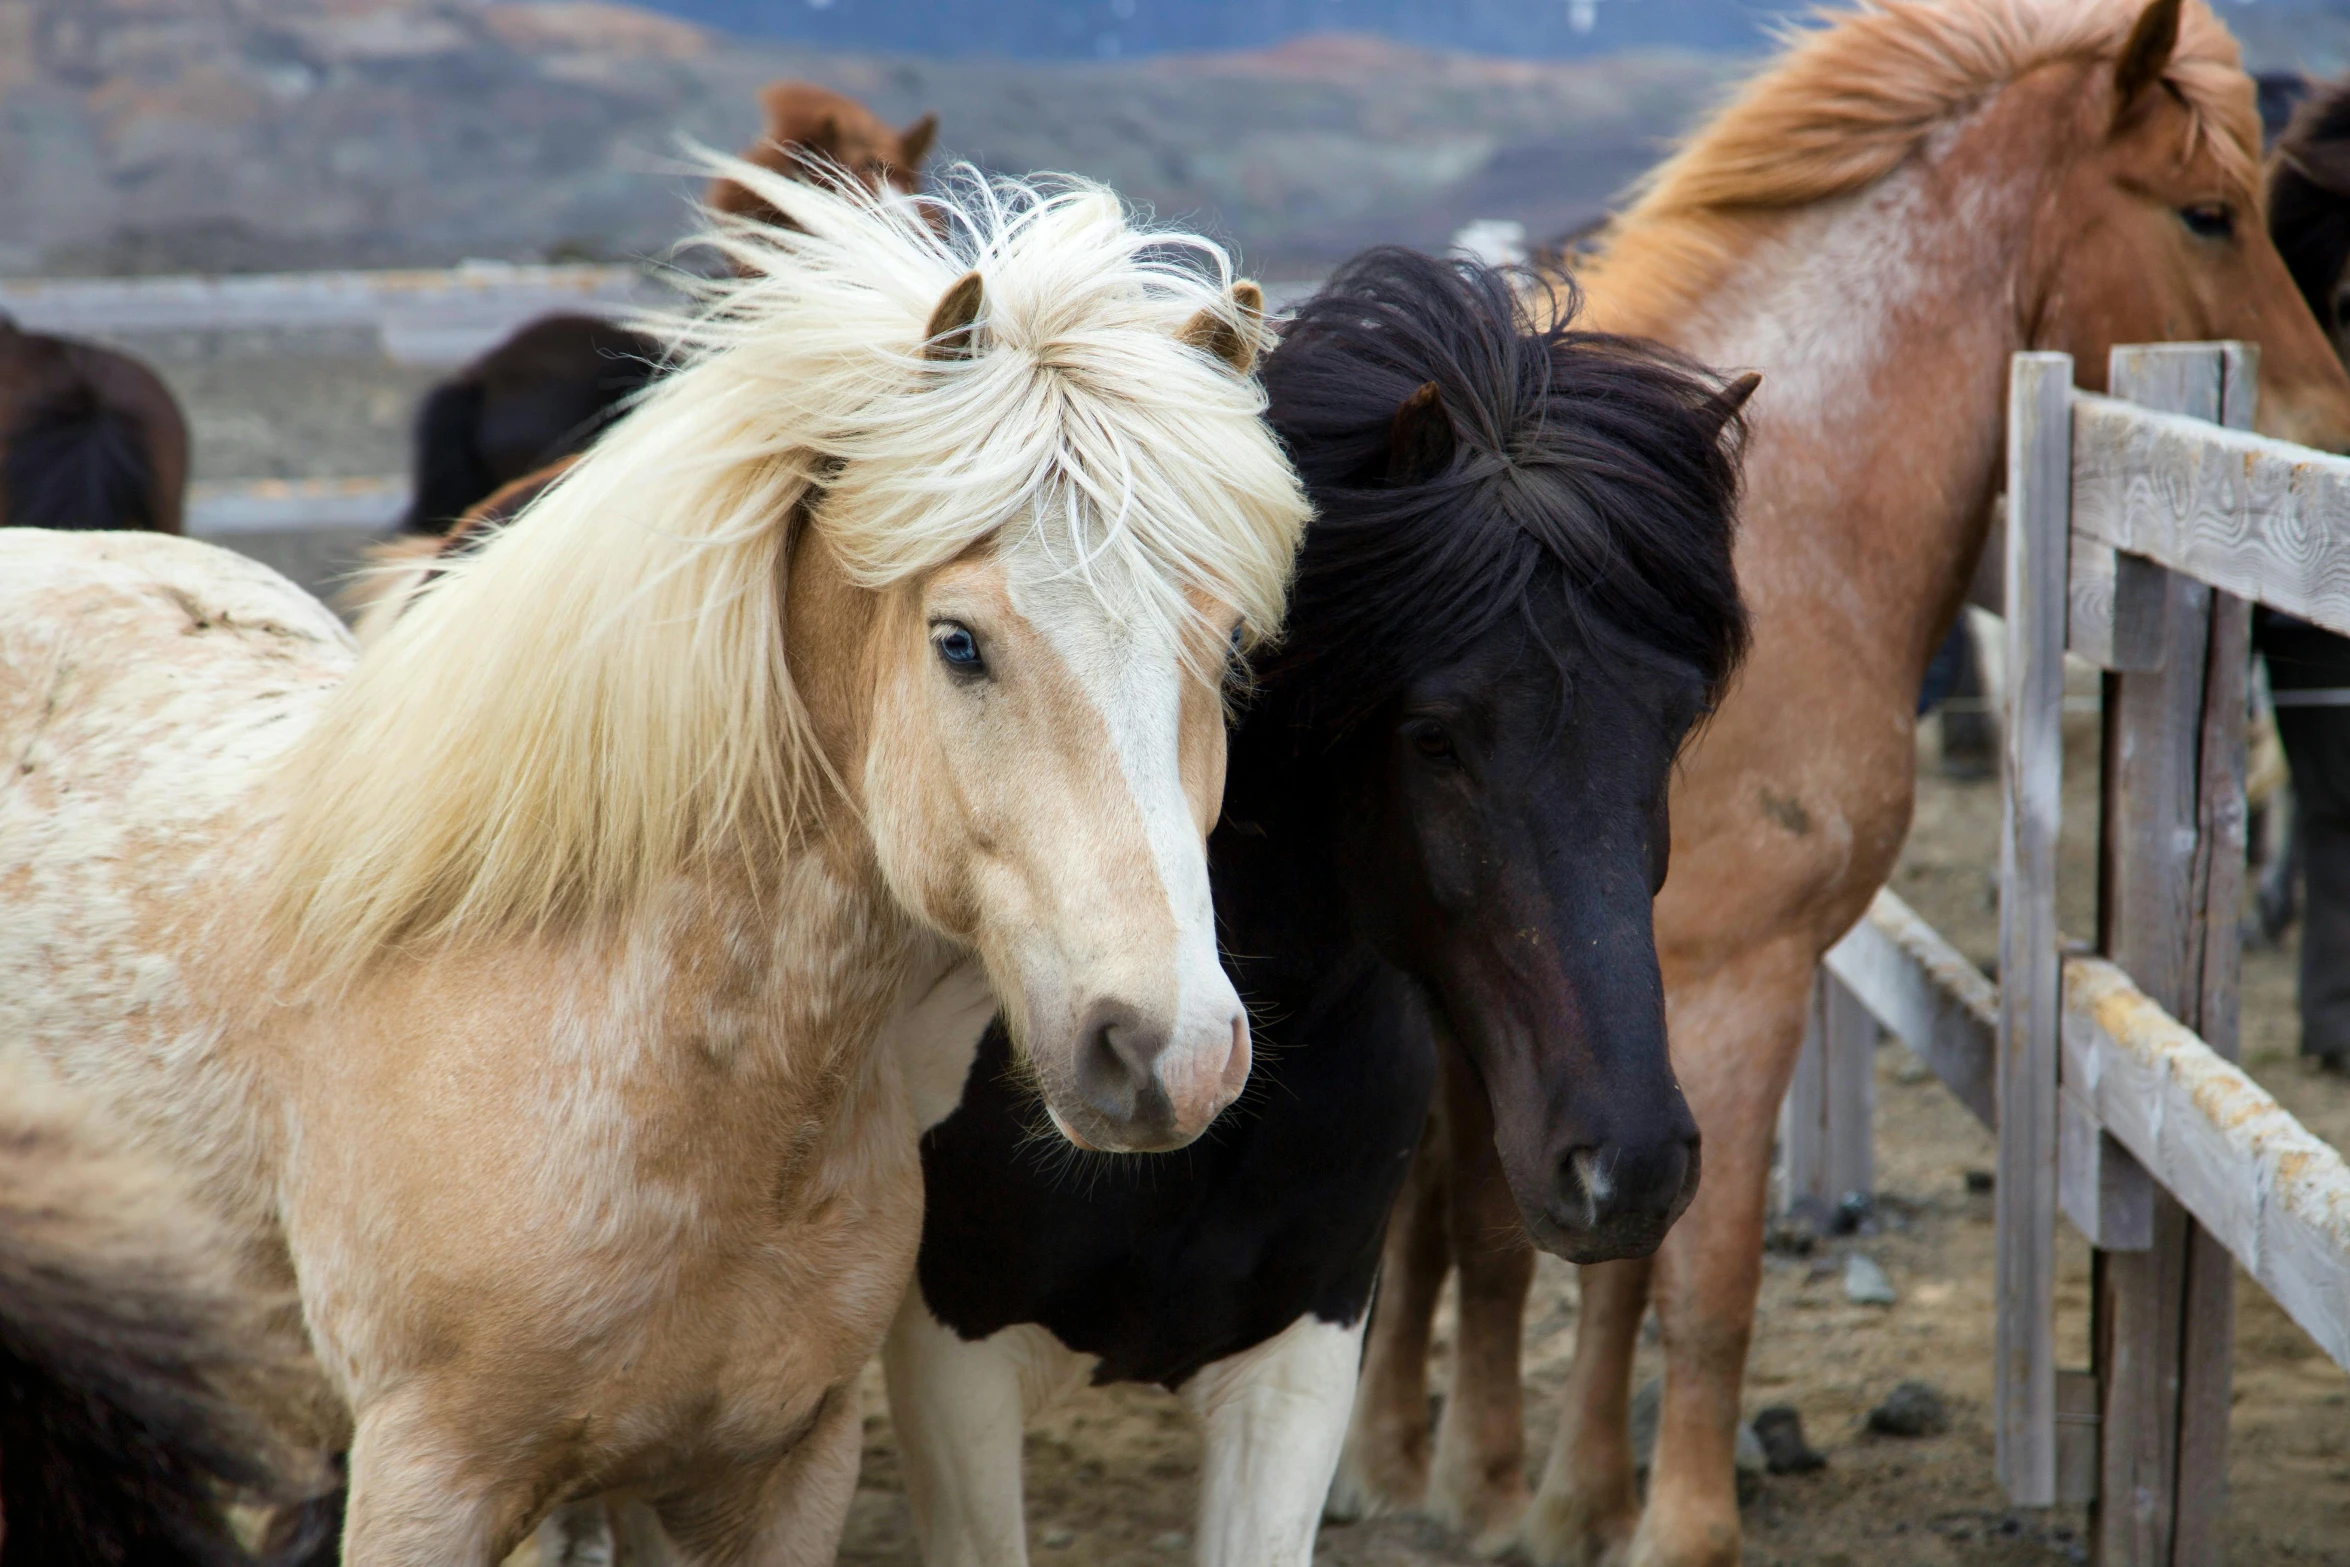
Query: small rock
{"points": [[1980, 1181], [1911, 1409], [1909, 1071], [1749, 1454], [1779, 1431], [1865, 1283], [1647, 1403], [1172, 1540], [1751, 1465], [1058, 1538], [1786, 1238]]}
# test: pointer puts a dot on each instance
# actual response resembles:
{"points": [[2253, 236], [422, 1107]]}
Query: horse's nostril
{"points": [[1117, 1060]]}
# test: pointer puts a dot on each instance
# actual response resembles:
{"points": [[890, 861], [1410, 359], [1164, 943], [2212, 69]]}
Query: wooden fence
{"points": [[425, 317], [2141, 527]]}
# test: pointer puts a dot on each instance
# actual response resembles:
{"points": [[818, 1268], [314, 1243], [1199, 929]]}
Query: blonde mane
{"points": [[1849, 100], [598, 699]]}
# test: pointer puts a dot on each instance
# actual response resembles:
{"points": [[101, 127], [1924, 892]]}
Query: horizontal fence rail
{"points": [[2273, 1193], [2259, 518], [424, 317], [225, 509]]}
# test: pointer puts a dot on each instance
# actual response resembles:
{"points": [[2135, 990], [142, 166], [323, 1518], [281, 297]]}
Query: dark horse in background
{"points": [[546, 392], [89, 438], [1444, 816], [2309, 669]]}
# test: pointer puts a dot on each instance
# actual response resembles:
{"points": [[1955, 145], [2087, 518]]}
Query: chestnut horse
{"points": [[812, 132], [89, 437], [1886, 214], [551, 999]]}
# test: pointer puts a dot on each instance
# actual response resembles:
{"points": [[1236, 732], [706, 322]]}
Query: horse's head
{"points": [[1516, 601], [2156, 231], [1009, 615], [814, 133], [2309, 209]]}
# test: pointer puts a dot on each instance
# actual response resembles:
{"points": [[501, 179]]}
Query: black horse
{"points": [[2309, 669], [1444, 818], [543, 394], [89, 437]]}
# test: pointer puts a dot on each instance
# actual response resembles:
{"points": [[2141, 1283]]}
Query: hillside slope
{"points": [[166, 135]]}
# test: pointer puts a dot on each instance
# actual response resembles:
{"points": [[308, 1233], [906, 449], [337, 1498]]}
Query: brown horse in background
{"points": [[89, 438], [1907, 197], [811, 131], [546, 392]]}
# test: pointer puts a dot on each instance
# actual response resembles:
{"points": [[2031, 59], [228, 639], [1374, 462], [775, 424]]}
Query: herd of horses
{"points": [[834, 791]]}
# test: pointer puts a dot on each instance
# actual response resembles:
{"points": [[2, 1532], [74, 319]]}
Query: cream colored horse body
{"points": [[577, 1096]]}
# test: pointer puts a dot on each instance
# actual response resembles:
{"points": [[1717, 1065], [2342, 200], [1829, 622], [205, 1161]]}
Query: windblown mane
{"points": [[2309, 199], [597, 699], [1849, 100], [1584, 464]]}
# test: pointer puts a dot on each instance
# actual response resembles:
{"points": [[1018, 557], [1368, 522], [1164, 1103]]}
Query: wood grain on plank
{"points": [[2039, 483]]}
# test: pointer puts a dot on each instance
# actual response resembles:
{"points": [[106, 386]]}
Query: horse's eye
{"points": [[1428, 737], [2209, 220], [957, 648]]}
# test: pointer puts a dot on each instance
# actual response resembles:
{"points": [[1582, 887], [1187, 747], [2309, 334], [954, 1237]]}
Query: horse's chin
{"points": [[1067, 1131]]}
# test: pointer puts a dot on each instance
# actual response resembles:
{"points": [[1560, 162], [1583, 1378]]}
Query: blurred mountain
{"points": [[1098, 29], [224, 135], [168, 135], [1111, 29]]}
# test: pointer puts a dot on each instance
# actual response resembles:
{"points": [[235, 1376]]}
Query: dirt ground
{"points": [[1112, 1473]]}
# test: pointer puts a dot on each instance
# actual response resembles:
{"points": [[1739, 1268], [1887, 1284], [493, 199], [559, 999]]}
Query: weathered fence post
{"points": [[2039, 531], [1825, 1131], [2171, 880]]}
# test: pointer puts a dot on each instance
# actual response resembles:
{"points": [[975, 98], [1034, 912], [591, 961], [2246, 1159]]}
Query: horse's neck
{"points": [[1884, 324]]}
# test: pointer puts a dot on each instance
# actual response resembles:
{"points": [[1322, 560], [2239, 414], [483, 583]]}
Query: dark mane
{"points": [[1595, 462], [2309, 198]]}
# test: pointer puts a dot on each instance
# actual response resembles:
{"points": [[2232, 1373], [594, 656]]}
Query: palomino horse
{"points": [[1446, 808], [1882, 217], [552, 999], [125, 1347], [89, 438]]}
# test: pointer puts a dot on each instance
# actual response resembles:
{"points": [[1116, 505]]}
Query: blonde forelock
{"points": [[597, 696]]}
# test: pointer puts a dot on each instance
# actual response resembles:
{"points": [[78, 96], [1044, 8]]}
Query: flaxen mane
{"points": [[596, 699], [1851, 99]]}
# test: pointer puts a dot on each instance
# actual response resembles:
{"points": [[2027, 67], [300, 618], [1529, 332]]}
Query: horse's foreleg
{"points": [[959, 1409], [1274, 1418], [1585, 1509], [420, 1491], [1735, 1041], [1478, 1478], [786, 1513], [1384, 1467]]}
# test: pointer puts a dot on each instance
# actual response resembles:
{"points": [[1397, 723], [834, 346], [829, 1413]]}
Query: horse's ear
{"points": [[1725, 404], [953, 332], [1420, 438], [1212, 332], [914, 142], [2147, 55]]}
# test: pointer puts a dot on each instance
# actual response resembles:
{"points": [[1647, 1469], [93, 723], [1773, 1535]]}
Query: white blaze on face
{"points": [[1134, 674]]}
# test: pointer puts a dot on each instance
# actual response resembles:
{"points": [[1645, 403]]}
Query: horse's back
{"points": [[147, 684]]}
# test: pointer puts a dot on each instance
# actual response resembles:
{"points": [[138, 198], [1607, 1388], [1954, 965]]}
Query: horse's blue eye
{"points": [[957, 646]]}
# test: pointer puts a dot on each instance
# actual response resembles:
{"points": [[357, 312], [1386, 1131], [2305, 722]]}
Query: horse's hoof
{"points": [[1561, 1531], [1356, 1494]]}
